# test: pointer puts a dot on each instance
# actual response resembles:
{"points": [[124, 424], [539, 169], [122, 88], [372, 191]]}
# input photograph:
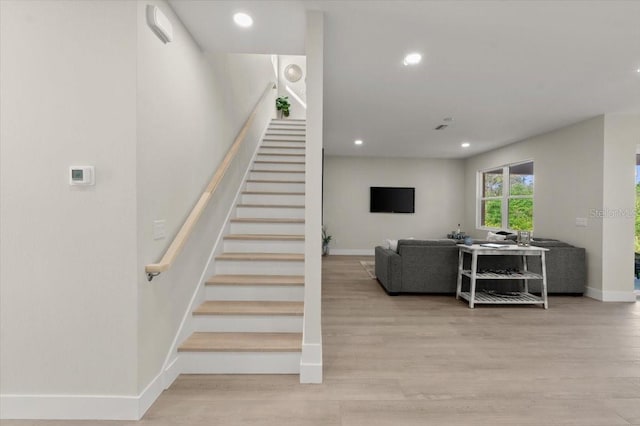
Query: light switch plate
{"points": [[159, 229], [581, 221]]}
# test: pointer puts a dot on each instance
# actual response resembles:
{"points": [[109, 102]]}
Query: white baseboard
{"points": [[610, 296], [149, 395], [171, 373], [69, 407], [352, 252], [87, 407]]}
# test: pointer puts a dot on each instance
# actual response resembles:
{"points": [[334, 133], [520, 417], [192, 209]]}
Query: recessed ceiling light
{"points": [[638, 70], [412, 59], [358, 142], [243, 20], [465, 144]]}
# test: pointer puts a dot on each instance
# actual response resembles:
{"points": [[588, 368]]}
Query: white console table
{"points": [[522, 297]]}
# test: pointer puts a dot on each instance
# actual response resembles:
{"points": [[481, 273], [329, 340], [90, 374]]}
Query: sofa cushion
{"points": [[550, 243], [433, 242], [491, 236]]}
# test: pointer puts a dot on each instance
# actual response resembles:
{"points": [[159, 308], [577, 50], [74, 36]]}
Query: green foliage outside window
{"points": [[492, 213], [521, 214]]}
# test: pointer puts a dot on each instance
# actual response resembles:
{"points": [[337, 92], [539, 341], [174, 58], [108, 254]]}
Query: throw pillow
{"points": [[495, 237]]}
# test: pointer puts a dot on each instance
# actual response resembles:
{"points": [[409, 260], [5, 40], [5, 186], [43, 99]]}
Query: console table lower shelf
{"points": [[520, 299]]}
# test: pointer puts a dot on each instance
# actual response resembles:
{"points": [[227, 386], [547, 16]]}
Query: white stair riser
{"points": [[286, 130], [284, 158], [270, 212], [248, 323], [279, 166], [275, 150], [256, 246], [275, 186], [278, 137], [283, 143], [288, 122], [240, 362], [267, 228], [275, 175], [266, 267], [297, 199], [286, 293], [287, 126]]}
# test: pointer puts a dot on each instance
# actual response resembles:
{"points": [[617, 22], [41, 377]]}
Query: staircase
{"points": [[251, 319]]}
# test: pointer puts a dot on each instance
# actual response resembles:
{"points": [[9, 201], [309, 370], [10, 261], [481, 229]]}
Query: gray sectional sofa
{"points": [[431, 266]]}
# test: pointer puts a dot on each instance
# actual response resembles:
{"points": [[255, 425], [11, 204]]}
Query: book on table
{"points": [[493, 245]]}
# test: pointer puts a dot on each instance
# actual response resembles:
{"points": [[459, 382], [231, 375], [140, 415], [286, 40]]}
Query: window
{"points": [[505, 199]]}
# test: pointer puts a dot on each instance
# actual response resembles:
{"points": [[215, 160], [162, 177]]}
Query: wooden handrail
{"points": [[153, 269]]}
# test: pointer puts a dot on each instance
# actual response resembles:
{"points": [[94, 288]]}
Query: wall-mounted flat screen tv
{"points": [[392, 200]]}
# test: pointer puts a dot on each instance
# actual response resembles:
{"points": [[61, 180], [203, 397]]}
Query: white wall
{"points": [[621, 136], [572, 178], [68, 255], [299, 87], [190, 108], [439, 202]]}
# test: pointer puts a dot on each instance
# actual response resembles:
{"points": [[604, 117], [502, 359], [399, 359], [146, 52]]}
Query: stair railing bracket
{"points": [[151, 275]]}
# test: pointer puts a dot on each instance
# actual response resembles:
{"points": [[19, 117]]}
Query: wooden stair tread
{"points": [[285, 132], [277, 171], [288, 280], [264, 237], [274, 139], [281, 257], [242, 342], [273, 206], [269, 154], [281, 147], [278, 162], [273, 181], [272, 193], [266, 220], [239, 307]]}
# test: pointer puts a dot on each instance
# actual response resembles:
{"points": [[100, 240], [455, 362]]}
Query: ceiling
{"points": [[503, 70]]}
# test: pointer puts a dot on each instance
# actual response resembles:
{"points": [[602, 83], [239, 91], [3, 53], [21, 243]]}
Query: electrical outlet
{"points": [[581, 221], [159, 229]]}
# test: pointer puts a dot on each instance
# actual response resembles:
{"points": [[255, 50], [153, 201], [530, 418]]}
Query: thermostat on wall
{"points": [[82, 175]]}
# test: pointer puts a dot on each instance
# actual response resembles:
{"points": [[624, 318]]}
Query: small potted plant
{"points": [[326, 239], [283, 105]]}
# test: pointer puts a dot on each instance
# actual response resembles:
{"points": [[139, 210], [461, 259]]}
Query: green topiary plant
{"points": [[282, 104]]}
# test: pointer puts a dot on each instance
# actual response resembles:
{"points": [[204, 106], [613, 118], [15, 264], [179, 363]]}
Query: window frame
{"points": [[504, 198]]}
